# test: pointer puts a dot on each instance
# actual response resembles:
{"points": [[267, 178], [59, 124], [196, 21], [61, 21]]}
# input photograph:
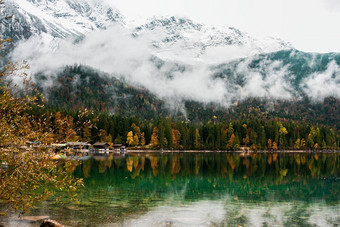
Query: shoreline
{"points": [[148, 151], [236, 151]]}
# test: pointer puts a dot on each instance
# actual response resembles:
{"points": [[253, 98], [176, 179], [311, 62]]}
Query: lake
{"points": [[203, 189]]}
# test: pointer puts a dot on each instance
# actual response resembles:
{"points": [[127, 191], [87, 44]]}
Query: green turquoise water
{"points": [[204, 189]]}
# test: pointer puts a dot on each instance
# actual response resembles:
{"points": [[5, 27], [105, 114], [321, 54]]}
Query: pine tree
{"points": [[154, 138], [197, 143], [231, 141], [118, 139], [142, 140], [297, 144], [237, 142], [176, 138], [282, 133], [269, 144], [102, 135]]}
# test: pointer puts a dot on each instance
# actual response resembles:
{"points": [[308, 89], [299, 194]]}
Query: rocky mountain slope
{"points": [[173, 33], [75, 18], [59, 19]]}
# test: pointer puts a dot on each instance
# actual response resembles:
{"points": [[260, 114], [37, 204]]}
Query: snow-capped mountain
{"points": [[54, 20], [186, 34], [58, 19]]}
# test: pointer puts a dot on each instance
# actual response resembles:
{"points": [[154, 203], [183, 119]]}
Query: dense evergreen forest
{"points": [[168, 133], [77, 87]]}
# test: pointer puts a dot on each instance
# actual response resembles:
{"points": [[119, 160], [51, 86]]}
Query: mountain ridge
{"points": [[204, 36], [74, 18]]}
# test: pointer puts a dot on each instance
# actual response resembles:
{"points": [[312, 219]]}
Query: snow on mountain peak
{"points": [[173, 38], [182, 37], [60, 19]]}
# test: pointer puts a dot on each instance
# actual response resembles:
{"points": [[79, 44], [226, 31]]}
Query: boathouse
{"points": [[117, 146], [101, 146]]}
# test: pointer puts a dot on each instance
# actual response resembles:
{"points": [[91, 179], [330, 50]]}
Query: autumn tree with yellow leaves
{"points": [[176, 137], [139, 137], [27, 175], [129, 138], [154, 138]]}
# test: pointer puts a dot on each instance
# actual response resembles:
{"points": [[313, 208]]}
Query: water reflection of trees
{"points": [[254, 175]]}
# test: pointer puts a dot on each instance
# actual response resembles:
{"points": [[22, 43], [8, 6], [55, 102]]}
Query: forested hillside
{"points": [[78, 87]]}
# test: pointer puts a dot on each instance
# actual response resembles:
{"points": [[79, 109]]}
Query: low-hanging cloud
{"points": [[112, 50], [327, 83], [267, 81], [173, 73]]}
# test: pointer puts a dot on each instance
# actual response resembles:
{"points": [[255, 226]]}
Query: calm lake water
{"points": [[203, 189]]}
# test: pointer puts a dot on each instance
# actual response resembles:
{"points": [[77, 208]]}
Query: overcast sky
{"points": [[310, 25]]}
